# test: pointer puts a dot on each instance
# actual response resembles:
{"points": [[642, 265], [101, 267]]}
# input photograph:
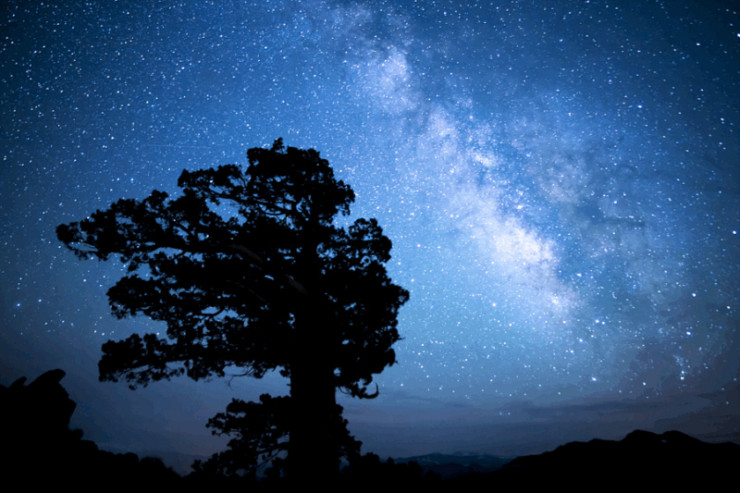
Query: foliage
{"points": [[259, 432]]}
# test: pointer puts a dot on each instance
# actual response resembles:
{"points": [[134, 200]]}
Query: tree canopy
{"points": [[250, 272]]}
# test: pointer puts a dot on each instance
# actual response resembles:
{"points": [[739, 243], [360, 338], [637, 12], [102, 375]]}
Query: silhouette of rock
{"points": [[41, 450], [35, 419]]}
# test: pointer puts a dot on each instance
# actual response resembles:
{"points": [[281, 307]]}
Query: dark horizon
{"points": [[36, 416]]}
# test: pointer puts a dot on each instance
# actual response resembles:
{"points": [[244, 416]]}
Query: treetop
{"points": [[247, 269]]}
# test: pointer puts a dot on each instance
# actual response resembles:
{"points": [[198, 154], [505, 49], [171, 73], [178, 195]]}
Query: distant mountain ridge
{"points": [[671, 458], [457, 464]]}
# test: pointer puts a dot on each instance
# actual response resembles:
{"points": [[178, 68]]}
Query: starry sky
{"points": [[559, 179]]}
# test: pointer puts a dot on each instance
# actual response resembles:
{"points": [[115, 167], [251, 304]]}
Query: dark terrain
{"points": [[43, 450]]}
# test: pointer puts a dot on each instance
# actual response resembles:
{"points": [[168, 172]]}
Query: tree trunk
{"points": [[313, 452]]}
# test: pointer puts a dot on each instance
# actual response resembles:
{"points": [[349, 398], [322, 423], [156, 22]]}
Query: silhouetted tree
{"points": [[249, 270]]}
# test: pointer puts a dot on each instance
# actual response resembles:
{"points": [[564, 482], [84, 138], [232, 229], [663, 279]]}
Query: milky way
{"points": [[559, 180]]}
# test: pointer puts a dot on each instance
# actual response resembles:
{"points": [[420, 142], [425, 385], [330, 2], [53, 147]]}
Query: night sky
{"points": [[560, 181]]}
